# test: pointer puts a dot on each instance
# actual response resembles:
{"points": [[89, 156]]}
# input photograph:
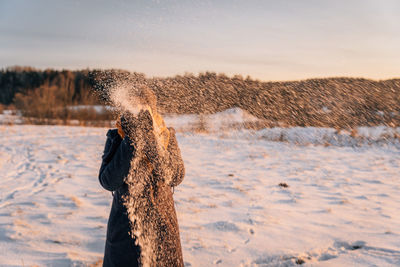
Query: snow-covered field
{"points": [[341, 206]]}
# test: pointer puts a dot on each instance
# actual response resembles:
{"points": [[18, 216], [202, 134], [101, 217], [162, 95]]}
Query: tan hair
{"points": [[147, 97]]}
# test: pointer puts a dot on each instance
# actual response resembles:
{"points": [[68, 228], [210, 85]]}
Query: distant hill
{"points": [[328, 102]]}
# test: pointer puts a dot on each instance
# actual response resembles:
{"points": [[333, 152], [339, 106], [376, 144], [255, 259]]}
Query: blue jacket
{"points": [[120, 248]]}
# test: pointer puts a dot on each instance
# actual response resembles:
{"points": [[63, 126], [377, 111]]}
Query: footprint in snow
{"points": [[217, 261], [223, 226]]}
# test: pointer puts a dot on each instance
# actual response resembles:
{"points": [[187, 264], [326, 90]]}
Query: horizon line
{"points": [[185, 73]]}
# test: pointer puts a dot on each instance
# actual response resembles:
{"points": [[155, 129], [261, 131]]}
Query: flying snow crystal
{"points": [[123, 98]]}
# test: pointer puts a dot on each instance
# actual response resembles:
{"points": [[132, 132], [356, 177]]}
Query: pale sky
{"points": [[268, 40]]}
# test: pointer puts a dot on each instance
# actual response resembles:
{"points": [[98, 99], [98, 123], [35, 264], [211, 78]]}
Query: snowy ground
{"points": [[341, 206]]}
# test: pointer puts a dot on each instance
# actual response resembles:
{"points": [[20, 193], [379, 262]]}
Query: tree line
{"points": [[329, 102]]}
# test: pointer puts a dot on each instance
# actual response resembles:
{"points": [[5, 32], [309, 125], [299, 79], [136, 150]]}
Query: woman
{"points": [[142, 228]]}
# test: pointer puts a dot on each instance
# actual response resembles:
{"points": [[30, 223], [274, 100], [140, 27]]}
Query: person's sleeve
{"points": [[115, 165]]}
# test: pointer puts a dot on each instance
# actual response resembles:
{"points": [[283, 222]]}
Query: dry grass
{"points": [[98, 263]]}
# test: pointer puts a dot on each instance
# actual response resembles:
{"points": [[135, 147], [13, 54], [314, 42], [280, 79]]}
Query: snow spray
{"points": [[146, 220]]}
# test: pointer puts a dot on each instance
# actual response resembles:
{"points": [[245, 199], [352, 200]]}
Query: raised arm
{"points": [[115, 166]]}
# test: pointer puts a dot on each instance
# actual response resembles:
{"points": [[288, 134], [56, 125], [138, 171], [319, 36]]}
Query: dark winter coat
{"points": [[120, 248]]}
